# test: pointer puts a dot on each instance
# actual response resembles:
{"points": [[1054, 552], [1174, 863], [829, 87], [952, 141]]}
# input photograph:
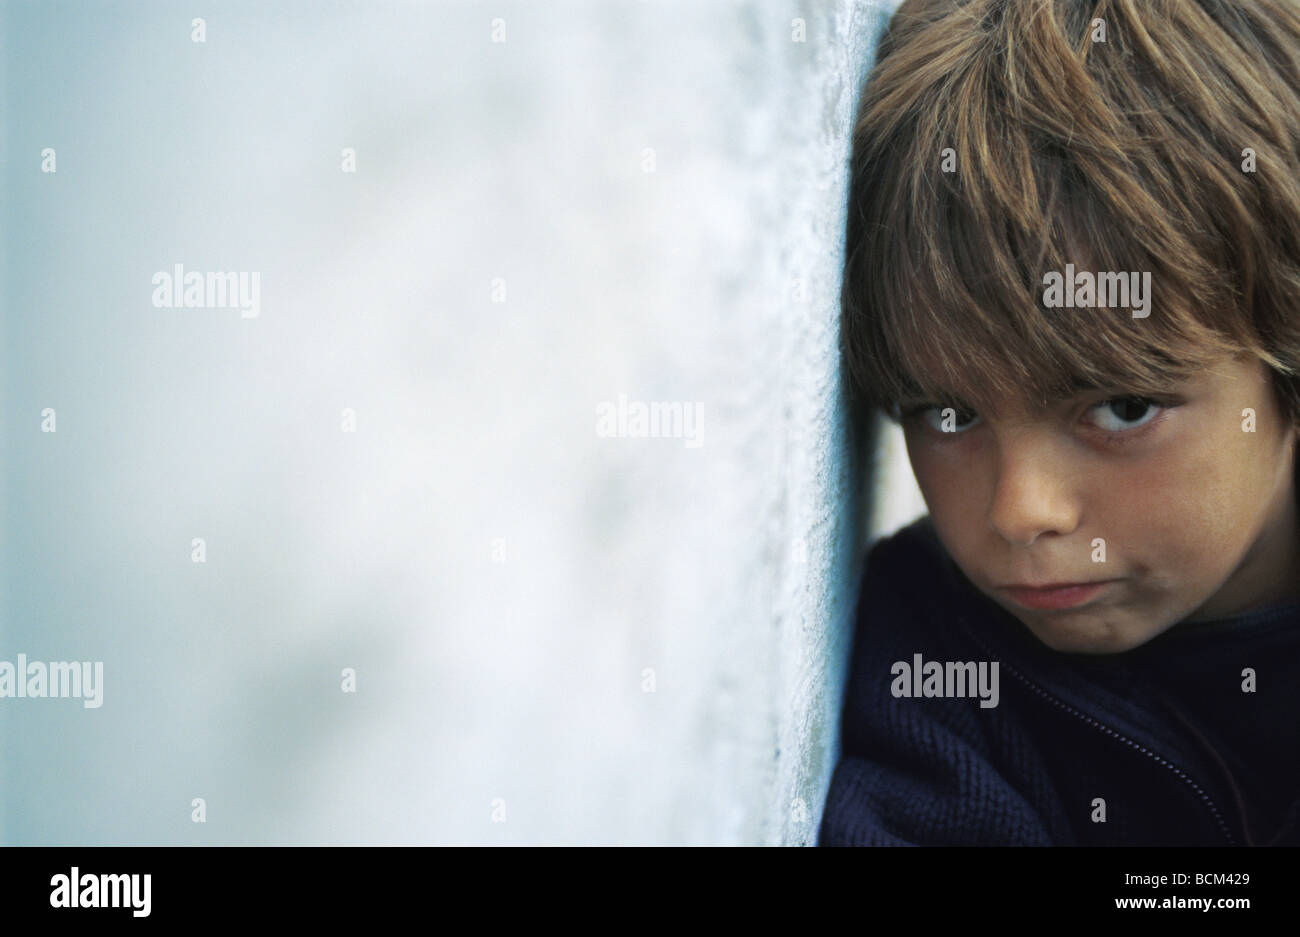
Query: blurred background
{"points": [[478, 229]]}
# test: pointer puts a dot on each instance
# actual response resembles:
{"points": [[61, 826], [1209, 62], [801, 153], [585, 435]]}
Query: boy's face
{"points": [[1197, 515]]}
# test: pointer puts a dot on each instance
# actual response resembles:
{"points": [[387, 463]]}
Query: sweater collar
{"points": [[1103, 688]]}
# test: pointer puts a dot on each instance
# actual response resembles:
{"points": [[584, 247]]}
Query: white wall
{"points": [[728, 569]]}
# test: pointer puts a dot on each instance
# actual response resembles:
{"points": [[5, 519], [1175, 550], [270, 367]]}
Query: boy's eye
{"points": [[946, 419], [1117, 415], [1124, 413]]}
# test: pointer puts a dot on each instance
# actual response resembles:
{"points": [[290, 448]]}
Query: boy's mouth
{"points": [[1057, 595]]}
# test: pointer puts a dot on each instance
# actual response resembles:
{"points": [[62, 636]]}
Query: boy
{"points": [[1073, 276]]}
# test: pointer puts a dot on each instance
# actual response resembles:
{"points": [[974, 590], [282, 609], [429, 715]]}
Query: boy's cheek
{"points": [[1179, 510], [950, 486]]}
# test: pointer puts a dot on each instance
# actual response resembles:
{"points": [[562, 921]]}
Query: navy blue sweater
{"points": [[1161, 741]]}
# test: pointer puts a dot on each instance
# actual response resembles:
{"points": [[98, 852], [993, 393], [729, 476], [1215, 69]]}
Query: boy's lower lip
{"points": [[1058, 597]]}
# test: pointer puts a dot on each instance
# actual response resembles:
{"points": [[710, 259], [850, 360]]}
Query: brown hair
{"points": [[1122, 155]]}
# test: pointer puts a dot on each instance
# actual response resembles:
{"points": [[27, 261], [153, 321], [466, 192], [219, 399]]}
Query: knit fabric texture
{"points": [[1161, 745]]}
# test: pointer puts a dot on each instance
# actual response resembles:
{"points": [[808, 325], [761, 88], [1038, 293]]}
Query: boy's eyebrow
{"points": [[1078, 385], [1082, 385]]}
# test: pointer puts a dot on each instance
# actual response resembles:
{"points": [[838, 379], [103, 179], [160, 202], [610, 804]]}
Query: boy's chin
{"points": [[1087, 632]]}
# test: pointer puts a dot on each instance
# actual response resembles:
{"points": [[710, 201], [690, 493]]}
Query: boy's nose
{"points": [[1033, 493]]}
